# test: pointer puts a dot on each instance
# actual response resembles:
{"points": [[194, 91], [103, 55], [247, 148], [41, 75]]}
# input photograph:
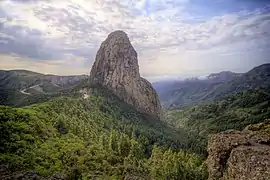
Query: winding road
{"points": [[23, 91]]}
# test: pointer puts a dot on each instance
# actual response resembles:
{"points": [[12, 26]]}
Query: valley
{"points": [[99, 137], [216, 86], [114, 124]]}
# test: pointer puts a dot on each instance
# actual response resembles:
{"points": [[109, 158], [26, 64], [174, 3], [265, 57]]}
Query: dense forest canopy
{"points": [[103, 137], [87, 138]]}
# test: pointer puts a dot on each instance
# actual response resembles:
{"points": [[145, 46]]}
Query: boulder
{"points": [[240, 155]]}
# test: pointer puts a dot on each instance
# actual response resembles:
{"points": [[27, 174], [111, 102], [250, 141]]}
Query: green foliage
{"points": [[14, 98], [175, 165], [234, 112], [99, 137], [40, 87]]}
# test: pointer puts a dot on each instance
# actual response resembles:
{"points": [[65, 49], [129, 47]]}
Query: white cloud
{"points": [[59, 67], [160, 30]]}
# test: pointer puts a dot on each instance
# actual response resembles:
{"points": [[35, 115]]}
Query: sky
{"points": [[173, 38]]}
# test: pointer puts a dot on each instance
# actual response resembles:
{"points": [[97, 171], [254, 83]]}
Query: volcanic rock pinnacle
{"points": [[116, 68]]}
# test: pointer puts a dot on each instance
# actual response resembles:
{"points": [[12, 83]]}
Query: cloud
{"points": [[70, 66], [172, 37]]}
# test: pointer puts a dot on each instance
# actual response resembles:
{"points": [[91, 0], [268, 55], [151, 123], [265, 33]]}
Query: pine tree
{"points": [[113, 146], [123, 146]]}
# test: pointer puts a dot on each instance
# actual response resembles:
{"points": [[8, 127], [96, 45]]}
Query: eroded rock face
{"points": [[116, 68], [240, 155]]}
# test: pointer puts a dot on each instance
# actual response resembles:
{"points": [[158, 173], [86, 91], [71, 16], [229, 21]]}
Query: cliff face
{"points": [[241, 155], [116, 68]]}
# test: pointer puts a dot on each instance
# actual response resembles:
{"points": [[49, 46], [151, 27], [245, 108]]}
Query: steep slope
{"points": [[95, 138], [185, 93], [15, 98], [258, 77], [180, 93], [214, 87], [23, 79], [116, 68], [21, 87], [234, 112], [106, 127]]}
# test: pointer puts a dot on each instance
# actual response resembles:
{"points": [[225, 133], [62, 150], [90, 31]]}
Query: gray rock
{"points": [[241, 155], [116, 69]]}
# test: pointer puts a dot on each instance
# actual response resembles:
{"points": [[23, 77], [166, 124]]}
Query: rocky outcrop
{"points": [[116, 69], [240, 155]]}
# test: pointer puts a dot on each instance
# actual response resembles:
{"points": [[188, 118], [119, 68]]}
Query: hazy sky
{"points": [[172, 37]]}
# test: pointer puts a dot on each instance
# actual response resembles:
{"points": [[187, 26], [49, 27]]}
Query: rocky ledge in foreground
{"points": [[240, 155], [116, 69]]}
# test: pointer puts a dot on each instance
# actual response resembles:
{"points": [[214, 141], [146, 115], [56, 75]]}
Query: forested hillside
{"points": [[234, 112], [21, 87], [134, 90], [110, 125], [185, 93], [99, 137], [70, 137], [103, 137]]}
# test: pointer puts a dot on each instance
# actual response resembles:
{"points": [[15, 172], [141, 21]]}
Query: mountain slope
{"points": [[234, 112], [20, 87], [215, 86], [103, 137], [116, 68], [23, 79], [98, 137]]}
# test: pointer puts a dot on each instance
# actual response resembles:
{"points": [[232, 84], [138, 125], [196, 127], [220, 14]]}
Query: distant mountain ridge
{"points": [[17, 85], [22, 87], [21, 79], [187, 92], [223, 76]]}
